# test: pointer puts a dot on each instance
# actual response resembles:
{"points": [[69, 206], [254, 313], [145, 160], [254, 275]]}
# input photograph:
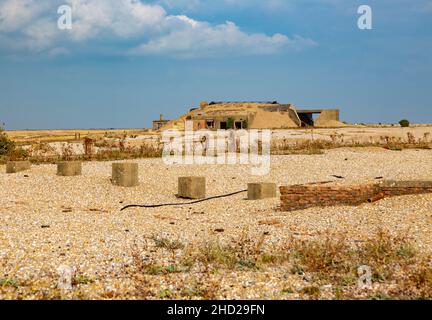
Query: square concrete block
{"points": [[125, 174], [258, 191], [69, 168], [192, 187], [17, 166]]}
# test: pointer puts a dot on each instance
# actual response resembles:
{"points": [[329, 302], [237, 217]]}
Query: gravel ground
{"points": [[48, 221]]}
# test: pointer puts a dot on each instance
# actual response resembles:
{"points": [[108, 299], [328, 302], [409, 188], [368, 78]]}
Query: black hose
{"points": [[180, 203]]}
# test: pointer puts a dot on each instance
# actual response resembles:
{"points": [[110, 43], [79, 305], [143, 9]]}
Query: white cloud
{"points": [[129, 27], [123, 18], [262, 5], [202, 39], [15, 14], [40, 34], [196, 5]]}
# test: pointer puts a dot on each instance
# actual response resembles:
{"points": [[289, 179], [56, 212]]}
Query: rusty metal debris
{"points": [[377, 197], [338, 177]]}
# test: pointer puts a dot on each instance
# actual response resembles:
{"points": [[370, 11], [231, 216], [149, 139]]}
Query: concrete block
{"points": [[69, 168], [125, 174], [258, 191], [17, 166], [192, 187]]}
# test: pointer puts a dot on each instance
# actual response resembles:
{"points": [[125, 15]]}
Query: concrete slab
{"points": [[17, 166], [192, 187], [258, 191], [125, 174], [69, 168]]}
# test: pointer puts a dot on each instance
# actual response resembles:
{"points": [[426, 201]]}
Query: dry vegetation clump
{"points": [[327, 259], [244, 253], [398, 271], [144, 151], [418, 283], [117, 147], [123, 153], [9, 150], [285, 147], [17, 154], [43, 286], [107, 151], [169, 244], [6, 144], [317, 146], [67, 153], [41, 149]]}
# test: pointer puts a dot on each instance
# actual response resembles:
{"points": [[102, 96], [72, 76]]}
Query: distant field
{"points": [[29, 136], [360, 132]]}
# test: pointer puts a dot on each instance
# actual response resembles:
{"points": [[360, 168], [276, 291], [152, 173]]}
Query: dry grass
{"points": [[316, 146], [332, 260], [46, 136], [394, 261], [196, 271], [284, 147], [166, 243], [398, 271], [113, 145], [112, 154], [242, 253]]}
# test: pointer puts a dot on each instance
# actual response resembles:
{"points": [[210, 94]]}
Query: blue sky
{"points": [[126, 61]]}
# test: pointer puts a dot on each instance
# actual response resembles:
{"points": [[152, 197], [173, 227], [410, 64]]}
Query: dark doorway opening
{"points": [[238, 125], [210, 124], [306, 119], [223, 125]]}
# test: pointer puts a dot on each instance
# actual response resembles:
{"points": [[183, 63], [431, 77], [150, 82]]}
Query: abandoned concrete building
{"points": [[252, 115], [158, 124]]}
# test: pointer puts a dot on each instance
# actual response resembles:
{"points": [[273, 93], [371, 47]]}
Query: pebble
{"points": [[101, 242]]}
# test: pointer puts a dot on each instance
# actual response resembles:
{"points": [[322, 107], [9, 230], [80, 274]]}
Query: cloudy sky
{"points": [[126, 61]]}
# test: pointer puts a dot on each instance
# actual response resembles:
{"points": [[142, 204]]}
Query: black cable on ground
{"points": [[181, 203]]}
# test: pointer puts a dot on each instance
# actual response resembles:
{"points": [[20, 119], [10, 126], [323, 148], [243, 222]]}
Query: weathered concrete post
{"points": [[69, 168], [88, 146], [192, 187], [17, 166], [258, 191], [125, 174]]}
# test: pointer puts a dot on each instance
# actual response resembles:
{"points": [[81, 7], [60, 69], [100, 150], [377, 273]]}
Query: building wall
{"points": [[274, 120], [302, 197], [268, 117], [159, 124], [199, 125], [201, 122], [327, 115]]}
